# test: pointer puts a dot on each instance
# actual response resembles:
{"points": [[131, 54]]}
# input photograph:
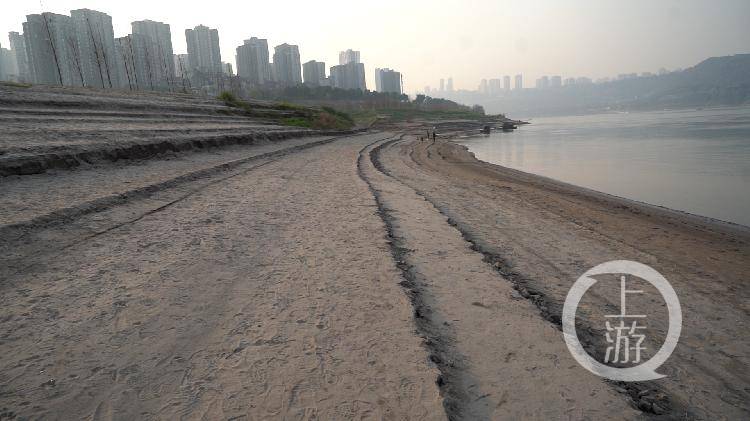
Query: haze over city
{"points": [[466, 40], [341, 210]]}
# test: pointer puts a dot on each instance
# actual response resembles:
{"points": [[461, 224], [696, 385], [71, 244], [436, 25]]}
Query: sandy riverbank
{"points": [[542, 234], [360, 277]]}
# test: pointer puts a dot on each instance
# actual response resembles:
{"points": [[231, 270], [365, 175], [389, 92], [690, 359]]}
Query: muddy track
{"points": [[436, 338]]}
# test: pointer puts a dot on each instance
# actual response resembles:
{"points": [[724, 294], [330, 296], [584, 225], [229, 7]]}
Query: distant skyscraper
{"points": [[495, 85], [96, 48], [226, 68], [442, 85], [348, 56], [350, 73], [387, 80], [349, 76], [51, 49], [555, 82], [135, 58], [252, 61], [286, 63], [449, 85], [203, 49], [18, 49], [158, 50], [8, 67], [314, 72], [542, 82], [482, 86], [182, 65], [518, 82], [506, 83]]}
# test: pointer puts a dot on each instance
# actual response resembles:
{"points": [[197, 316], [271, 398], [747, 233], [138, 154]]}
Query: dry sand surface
{"points": [[366, 276], [541, 235], [270, 294]]}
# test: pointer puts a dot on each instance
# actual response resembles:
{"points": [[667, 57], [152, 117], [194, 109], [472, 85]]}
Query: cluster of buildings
{"points": [[444, 89], [491, 86], [546, 82], [496, 86], [82, 50]]}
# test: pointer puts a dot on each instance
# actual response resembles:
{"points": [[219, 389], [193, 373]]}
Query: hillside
{"points": [[717, 81]]}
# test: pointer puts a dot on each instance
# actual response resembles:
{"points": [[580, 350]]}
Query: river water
{"points": [[697, 161]]}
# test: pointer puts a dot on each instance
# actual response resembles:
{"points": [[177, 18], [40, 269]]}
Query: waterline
{"points": [[696, 161]]}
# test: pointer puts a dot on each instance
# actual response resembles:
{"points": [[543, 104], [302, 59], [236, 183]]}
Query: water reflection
{"points": [[696, 161]]}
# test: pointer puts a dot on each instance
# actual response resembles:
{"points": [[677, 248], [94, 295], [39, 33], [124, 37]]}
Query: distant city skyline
{"points": [[485, 41], [81, 50]]}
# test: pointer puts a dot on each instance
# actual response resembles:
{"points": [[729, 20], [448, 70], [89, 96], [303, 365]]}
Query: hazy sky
{"points": [[469, 39]]}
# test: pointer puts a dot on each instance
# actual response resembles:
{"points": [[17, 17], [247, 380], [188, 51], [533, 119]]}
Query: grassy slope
{"points": [[320, 118]]}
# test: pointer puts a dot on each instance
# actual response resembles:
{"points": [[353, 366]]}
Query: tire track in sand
{"points": [[498, 358]]}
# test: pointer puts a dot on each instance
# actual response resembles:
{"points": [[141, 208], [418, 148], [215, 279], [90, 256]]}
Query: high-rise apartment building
{"points": [[252, 61], [51, 48], [349, 76], [348, 56], [387, 80], [286, 64], [495, 85], [158, 51], [136, 64], [314, 73], [203, 49], [182, 65], [483, 86], [8, 66], [96, 48], [542, 82], [506, 83], [18, 49], [518, 82], [226, 68], [350, 73]]}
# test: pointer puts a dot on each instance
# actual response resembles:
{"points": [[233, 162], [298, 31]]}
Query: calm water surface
{"points": [[696, 161]]}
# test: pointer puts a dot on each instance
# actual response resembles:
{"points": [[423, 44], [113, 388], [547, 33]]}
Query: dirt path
{"points": [[271, 294]]}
